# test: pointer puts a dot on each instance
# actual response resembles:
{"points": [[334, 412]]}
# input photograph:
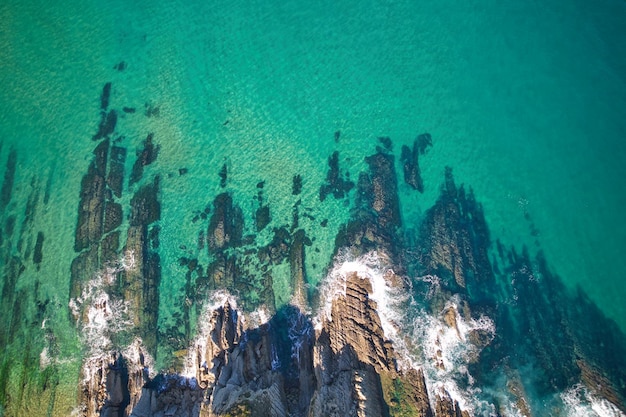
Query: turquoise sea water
{"points": [[525, 100]]}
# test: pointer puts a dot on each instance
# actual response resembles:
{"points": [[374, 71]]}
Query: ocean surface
{"points": [[524, 100]]}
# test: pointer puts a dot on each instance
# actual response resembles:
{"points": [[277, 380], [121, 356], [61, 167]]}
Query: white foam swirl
{"points": [[580, 402]]}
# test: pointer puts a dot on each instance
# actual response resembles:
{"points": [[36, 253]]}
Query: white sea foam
{"points": [[448, 349], [258, 317], [100, 316], [105, 316], [391, 298], [434, 284], [580, 402], [137, 356], [421, 339], [197, 349], [44, 358]]}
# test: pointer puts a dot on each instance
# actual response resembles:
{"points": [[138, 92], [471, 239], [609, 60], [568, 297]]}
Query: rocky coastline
{"points": [[332, 350]]}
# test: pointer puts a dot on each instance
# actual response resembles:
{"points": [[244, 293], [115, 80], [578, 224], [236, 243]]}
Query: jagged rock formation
{"points": [[348, 368], [113, 285], [352, 367], [355, 365], [545, 325]]}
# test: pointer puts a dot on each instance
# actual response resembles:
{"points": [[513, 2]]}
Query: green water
{"points": [[525, 100]]}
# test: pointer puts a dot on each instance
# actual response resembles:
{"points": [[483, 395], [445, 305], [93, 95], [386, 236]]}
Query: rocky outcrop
{"points": [[455, 243], [92, 196], [347, 368], [237, 372], [350, 353], [112, 382], [356, 366], [355, 322], [140, 284], [447, 407]]}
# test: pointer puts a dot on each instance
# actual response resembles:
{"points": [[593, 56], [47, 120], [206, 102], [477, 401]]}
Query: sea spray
{"points": [[579, 401], [390, 292], [442, 344], [101, 318], [99, 315], [196, 356], [448, 348]]}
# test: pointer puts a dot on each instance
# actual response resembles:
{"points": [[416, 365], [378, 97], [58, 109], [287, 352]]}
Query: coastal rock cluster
{"points": [[436, 321], [346, 367]]}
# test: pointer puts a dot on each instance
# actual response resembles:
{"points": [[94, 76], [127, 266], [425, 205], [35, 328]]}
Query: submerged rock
{"points": [[38, 253], [145, 156], [376, 219], [9, 179], [410, 161], [92, 195], [335, 184], [297, 185]]}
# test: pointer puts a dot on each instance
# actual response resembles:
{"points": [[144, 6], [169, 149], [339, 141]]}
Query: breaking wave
{"points": [[442, 344], [99, 317], [579, 401], [97, 314]]}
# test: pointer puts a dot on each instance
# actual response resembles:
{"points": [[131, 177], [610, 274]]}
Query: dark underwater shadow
{"points": [[549, 338]]}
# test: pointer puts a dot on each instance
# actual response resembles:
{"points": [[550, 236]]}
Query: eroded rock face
{"points": [[349, 354], [355, 322], [235, 371], [356, 365], [347, 368], [112, 383]]}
